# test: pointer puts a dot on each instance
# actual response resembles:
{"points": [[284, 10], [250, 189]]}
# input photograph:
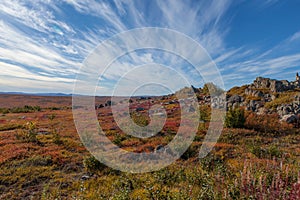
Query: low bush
{"points": [[268, 123], [28, 133], [266, 152], [92, 164], [25, 109], [8, 127], [235, 118], [205, 113], [54, 131]]}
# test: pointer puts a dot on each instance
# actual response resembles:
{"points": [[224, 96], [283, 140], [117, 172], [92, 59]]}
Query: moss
{"points": [[284, 98], [237, 90]]}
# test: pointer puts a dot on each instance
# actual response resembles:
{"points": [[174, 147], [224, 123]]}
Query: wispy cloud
{"points": [[99, 9], [201, 20], [17, 47], [35, 15]]}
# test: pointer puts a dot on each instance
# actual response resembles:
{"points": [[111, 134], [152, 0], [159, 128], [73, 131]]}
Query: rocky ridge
{"points": [[267, 95]]}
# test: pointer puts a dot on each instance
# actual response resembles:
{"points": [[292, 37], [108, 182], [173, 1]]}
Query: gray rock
{"points": [[234, 99], [214, 105], [258, 94], [43, 131], [252, 103], [159, 148], [85, 177], [291, 118]]}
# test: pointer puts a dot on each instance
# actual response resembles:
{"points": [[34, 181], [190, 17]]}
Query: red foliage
{"points": [[268, 123]]}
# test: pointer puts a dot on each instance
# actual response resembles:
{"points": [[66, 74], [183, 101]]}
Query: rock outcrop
{"points": [[264, 90], [272, 85]]}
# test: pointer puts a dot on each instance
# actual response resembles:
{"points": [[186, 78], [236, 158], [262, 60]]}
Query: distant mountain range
{"points": [[37, 94]]}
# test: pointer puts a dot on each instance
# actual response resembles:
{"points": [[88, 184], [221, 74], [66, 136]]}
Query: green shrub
{"points": [[205, 113], [266, 152], [28, 133], [92, 164], [4, 110], [140, 119], [56, 138], [54, 131], [25, 109], [235, 118], [8, 127]]}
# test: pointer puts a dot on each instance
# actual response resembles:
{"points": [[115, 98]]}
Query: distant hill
{"points": [[38, 94]]}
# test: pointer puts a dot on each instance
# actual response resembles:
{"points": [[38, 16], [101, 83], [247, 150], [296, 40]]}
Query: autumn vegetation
{"points": [[42, 157]]}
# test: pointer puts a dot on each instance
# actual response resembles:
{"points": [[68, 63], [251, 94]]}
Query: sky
{"points": [[44, 43]]}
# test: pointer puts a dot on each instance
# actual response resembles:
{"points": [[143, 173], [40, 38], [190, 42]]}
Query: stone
{"points": [[43, 131], [291, 118], [258, 94], [234, 99], [262, 111], [159, 148], [85, 177]]}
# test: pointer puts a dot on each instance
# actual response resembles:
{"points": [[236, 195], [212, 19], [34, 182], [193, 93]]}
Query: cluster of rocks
{"points": [[236, 101], [289, 112], [263, 90], [252, 92], [274, 85]]}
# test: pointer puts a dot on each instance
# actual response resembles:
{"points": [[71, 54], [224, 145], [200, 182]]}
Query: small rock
{"points": [[261, 111], [85, 177], [43, 132], [290, 118]]}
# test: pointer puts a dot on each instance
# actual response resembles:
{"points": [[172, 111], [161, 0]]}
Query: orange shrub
{"points": [[268, 123]]}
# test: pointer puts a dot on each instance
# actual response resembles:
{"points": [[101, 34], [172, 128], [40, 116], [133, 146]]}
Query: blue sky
{"points": [[44, 42]]}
